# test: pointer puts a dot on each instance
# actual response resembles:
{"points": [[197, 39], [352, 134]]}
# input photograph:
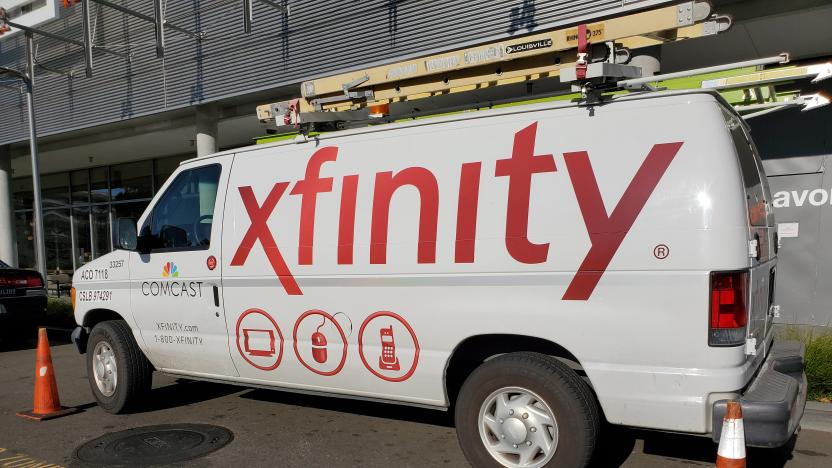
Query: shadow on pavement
{"points": [[618, 443], [614, 446], [182, 393], [29, 339], [360, 407]]}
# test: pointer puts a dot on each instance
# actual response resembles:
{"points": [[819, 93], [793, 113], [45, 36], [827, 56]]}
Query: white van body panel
{"points": [[640, 332]]}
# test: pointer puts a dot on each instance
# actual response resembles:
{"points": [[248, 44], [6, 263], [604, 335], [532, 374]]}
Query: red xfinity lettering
{"points": [[519, 170], [260, 230], [607, 232], [386, 185], [346, 223], [308, 189]]}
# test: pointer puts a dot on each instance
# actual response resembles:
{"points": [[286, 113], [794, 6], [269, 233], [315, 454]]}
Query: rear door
{"points": [[762, 240]]}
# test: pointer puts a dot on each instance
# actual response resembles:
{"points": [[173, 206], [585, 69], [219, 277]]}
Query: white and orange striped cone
{"points": [[47, 404], [731, 451]]}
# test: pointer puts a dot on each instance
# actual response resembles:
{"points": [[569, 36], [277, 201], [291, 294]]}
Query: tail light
{"points": [[19, 281], [729, 308], [72, 297], [34, 281]]}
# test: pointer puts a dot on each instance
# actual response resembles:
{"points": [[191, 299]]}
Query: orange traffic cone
{"points": [[47, 402], [731, 451]]}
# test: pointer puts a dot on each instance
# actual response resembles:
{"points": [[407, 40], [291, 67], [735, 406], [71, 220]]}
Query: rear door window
{"points": [[756, 187]]}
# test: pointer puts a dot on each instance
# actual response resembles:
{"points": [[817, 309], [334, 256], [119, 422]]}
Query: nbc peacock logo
{"points": [[170, 270]]}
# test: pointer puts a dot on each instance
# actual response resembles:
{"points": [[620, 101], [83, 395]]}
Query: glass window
{"points": [[99, 188], [131, 181], [129, 210], [100, 218], [55, 189], [22, 193], [165, 167], [56, 228], [79, 186], [183, 216], [81, 232], [25, 234]]}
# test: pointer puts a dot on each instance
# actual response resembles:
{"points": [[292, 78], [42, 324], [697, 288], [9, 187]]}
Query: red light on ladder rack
{"points": [[379, 110]]}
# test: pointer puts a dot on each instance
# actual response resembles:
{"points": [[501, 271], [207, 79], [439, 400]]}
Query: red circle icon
{"points": [[319, 344], [388, 360], [211, 262], [260, 340]]}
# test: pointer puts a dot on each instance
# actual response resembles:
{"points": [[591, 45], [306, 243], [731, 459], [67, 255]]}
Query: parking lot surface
{"points": [[273, 428]]}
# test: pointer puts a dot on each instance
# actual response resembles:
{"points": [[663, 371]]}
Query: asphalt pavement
{"points": [[280, 429]]}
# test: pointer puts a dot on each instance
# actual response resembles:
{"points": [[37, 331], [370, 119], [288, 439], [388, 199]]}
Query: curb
{"points": [[817, 417]]}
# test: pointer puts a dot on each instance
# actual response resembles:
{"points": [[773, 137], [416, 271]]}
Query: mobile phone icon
{"points": [[388, 359]]}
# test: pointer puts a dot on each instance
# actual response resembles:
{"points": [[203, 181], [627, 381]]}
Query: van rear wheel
{"points": [[119, 374], [526, 410]]}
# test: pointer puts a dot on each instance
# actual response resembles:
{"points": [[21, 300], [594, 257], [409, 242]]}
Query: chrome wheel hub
{"points": [[104, 369], [518, 428]]}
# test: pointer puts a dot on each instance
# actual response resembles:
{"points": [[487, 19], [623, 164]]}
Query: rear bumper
{"points": [[773, 403], [21, 312]]}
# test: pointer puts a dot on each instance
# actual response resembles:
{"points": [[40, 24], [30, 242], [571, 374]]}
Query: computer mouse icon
{"points": [[319, 347]]}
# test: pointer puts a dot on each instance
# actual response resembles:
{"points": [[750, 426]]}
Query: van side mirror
{"points": [[126, 237]]}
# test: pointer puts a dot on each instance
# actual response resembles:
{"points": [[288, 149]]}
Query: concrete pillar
{"points": [[8, 246], [206, 130]]}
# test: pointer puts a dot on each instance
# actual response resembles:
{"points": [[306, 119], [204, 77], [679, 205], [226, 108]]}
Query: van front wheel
{"points": [[118, 371], [526, 410]]}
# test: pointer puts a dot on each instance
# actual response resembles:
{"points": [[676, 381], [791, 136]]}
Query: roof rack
{"points": [[594, 55]]}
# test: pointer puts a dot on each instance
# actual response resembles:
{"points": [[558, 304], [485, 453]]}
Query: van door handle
{"points": [[216, 295]]}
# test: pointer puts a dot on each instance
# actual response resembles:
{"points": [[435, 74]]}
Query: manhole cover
{"points": [[153, 445]]}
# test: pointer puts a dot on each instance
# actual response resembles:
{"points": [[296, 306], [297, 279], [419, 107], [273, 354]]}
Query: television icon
{"points": [[255, 341]]}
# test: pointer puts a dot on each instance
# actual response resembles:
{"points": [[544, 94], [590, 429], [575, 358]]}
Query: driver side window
{"points": [[182, 218]]}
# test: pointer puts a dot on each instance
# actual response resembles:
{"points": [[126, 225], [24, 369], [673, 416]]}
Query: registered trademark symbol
{"points": [[661, 251]]}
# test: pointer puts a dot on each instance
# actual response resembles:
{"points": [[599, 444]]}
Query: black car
{"points": [[22, 301]]}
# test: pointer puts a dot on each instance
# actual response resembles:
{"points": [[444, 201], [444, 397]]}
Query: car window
{"points": [[182, 218]]}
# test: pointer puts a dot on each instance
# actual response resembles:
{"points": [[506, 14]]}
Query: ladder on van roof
{"points": [[593, 55]]}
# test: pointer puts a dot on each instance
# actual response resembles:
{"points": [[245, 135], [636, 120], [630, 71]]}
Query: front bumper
{"points": [[79, 339], [773, 403]]}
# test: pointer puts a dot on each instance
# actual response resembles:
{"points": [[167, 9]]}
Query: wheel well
{"points": [[475, 350], [96, 316]]}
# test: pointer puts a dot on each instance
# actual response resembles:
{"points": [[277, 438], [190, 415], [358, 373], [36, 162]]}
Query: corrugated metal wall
{"points": [[317, 38], [796, 148]]}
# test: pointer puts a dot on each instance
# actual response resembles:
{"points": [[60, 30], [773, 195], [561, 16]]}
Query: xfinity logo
{"points": [[816, 197], [606, 229]]}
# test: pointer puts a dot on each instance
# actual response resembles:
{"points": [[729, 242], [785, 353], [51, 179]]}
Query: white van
{"points": [[537, 269]]}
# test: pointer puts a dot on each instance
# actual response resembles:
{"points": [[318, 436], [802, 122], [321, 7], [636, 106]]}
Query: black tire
{"points": [[134, 371], [569, 398]]}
